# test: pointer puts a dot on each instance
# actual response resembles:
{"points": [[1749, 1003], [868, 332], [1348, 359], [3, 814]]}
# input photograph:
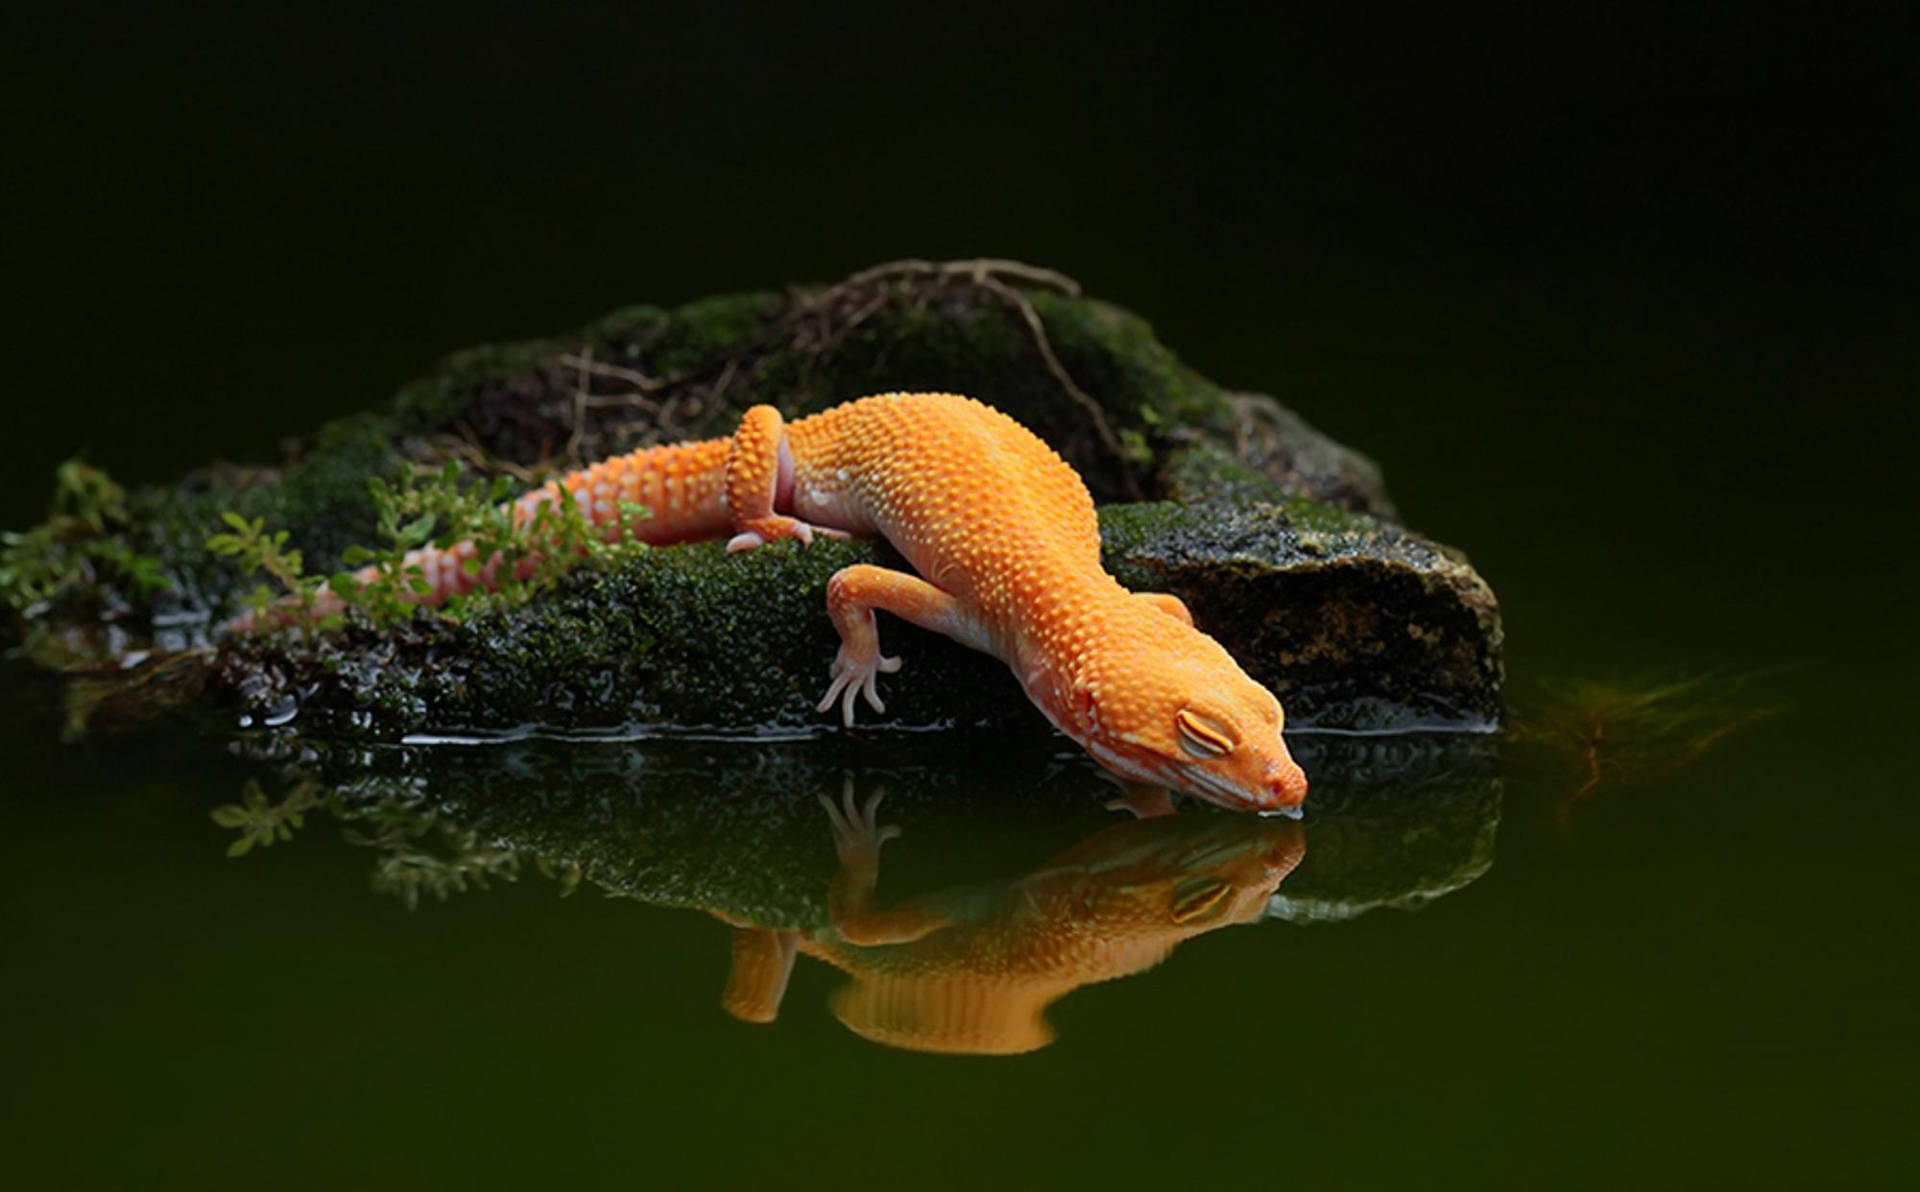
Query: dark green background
{"points": [[1621, 301]]}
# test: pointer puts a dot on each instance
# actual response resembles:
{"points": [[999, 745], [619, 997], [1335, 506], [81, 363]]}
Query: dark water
{"points": [[1623, 310]]}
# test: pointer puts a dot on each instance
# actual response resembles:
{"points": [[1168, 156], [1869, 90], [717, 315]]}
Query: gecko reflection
{"points": [[973, 970]]}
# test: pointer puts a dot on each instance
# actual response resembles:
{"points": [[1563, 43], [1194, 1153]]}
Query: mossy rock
{"points": [[1355, 623], [1280, 539]]}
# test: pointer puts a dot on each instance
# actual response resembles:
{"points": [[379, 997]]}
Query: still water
{"points": [[608, 962], [1632, 336], [1656, 931]]}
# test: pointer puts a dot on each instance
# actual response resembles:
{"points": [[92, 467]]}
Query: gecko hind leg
{"points": [[759, 484], [852, 596], [777, 526]]}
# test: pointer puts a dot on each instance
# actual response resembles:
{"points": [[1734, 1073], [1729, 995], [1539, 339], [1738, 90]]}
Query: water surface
{"points": [[1432, 957]]}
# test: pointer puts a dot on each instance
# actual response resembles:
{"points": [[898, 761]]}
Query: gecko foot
{"points": [[763, 530], [856, 677], [857, 834]]}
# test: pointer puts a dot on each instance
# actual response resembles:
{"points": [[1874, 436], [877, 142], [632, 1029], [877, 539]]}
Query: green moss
{"points": [[1125, 529], [627, 326], [1207, 471], [80, 552], [690, 636], [707, 360], [1320, 520], [322, 499], [1113, 352], [1294, 528], [710, 327], [437, 400]]}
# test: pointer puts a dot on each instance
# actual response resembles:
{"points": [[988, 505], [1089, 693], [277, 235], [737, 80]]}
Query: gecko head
{"points": [[1177, 710]]}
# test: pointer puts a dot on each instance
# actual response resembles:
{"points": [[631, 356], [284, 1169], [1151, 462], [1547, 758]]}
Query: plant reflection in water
{"points": [[941, 960]]}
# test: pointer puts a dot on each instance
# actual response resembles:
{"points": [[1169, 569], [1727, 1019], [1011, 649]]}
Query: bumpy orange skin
{"points": [[973, 970], [1000, 525], [1002, 534]]}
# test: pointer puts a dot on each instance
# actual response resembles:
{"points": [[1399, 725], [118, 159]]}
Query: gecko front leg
{"points": [[857, 837], [757, 979], [852, 595]]}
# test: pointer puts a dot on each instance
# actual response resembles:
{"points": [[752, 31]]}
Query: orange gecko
{"points": [[973, 970], [1002, 533]]}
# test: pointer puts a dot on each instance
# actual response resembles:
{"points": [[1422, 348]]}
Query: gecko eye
{"points": [[1195, 897], [1202, 735]]}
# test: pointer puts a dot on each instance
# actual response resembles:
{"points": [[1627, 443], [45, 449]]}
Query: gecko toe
{"points": [[854, 681], [744, 541], [834, 820], [870, 819], [841, 678]]}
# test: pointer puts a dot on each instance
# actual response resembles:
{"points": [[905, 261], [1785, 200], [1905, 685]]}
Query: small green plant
{"points": [[78, 546], [439, 511], [1134, 447], [253, 550]]}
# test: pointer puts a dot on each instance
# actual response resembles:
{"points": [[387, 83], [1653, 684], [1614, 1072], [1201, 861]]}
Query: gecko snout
{"points": [[1286, 788]]}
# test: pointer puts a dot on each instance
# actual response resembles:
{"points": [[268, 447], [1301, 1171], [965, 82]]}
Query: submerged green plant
{"points": [[1621, 732], [77, 547]]}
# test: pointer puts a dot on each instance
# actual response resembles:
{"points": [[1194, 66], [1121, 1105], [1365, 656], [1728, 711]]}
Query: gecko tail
{"points": [[681, 486]]}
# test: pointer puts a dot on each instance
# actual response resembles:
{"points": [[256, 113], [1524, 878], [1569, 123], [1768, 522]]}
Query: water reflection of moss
{"points": [[735, 828], [410, 864], [420, 851]]}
